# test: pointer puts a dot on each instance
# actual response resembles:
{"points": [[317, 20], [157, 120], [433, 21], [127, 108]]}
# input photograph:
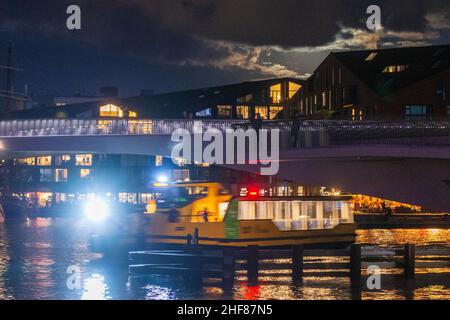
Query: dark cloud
{"points": [[247, 38]]}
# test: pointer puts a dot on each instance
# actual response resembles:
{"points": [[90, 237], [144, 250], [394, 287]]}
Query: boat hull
{"points": [[262, 233]]}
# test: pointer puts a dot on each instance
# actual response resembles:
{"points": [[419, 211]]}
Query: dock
{"points": [[197, 263]]}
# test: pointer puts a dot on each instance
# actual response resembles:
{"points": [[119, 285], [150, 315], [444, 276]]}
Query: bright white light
{"points": [[96, 209], [163, 179]]}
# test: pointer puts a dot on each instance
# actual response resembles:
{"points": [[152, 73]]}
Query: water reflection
{"points": [[95, 288], [34, 258], [400, 236]]}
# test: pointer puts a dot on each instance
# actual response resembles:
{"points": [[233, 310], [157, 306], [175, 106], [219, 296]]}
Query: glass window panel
{"points": [[262, 111], [44, 161], [83, 160], [275, 93], [242, 112], [274, 111]]}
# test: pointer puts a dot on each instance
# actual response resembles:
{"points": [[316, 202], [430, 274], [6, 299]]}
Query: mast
{"points": [[8, 93]]}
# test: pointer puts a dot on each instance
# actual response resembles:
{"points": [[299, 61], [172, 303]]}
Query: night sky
{"points": [[167, 45]]}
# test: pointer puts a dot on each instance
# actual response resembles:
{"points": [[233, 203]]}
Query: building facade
{"points": [[52, 179], [404, 83], [271, 99]]}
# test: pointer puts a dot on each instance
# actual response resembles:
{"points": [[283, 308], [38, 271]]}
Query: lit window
{"points": [[441, 92], [275, 93], [395, 69], [274, 112], [159, 161], [324, 99], [242, 112], [371, 56], [44, 161], [128, 198], [262, 111], [46, 175], [27, 161], [61, 160], [180, 175], [140, 127], [132, 114], [85, 173], [60, 175], [180, 162], [293, 89], [224, 111], [83, 160], [44, 198], [416, 111], [111, 110], [204, 113], [246, 99]]}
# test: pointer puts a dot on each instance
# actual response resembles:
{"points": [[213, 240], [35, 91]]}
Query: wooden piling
{"points": [[297, 264], [228, 269], [355, 263], [409, 258], [252, 265]]}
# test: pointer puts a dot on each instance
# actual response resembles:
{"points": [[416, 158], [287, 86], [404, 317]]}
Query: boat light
{"points": [[96, 210]]}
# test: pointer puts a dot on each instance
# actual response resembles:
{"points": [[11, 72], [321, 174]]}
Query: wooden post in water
{"points": [[195, 263], [355, 263], [252, 265], [297, 264], [409, 256], [228, 269]]}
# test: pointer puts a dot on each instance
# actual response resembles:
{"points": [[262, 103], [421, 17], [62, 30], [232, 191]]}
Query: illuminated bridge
{"points": [[403, 161]]}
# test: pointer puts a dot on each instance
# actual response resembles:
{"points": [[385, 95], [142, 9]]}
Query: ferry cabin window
{"points": [[83, 160], [297, 215]]}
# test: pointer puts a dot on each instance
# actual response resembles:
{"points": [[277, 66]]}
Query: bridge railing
{"points": [[301, 134]]}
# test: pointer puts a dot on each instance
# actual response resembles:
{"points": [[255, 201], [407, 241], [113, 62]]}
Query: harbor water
{"points": [[38, 258]]}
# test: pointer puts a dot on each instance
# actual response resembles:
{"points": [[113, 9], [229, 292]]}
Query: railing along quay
{"points": [[200, 263], [311, 133]]}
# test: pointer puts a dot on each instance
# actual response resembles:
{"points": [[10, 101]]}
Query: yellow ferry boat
{"points": [[208, 211]]}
